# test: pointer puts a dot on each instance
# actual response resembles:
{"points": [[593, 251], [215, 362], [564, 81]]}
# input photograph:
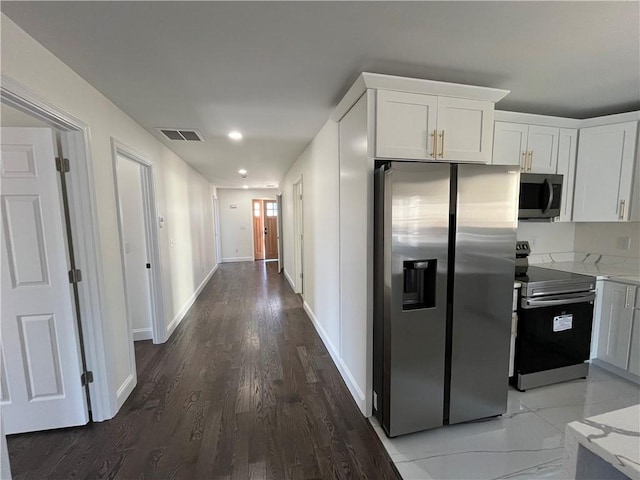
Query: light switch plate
{"points": [[623, 243]]}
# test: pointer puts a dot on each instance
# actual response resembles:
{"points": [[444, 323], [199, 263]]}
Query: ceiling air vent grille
{"points": [[182, 134]]}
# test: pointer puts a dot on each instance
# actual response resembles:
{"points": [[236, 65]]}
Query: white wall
{"points": [[183, 195], [236, 224], [319, 167], [581, 237], [603, 238], [547, 237]]}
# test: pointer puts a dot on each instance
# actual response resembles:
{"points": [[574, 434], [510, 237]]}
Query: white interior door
{"points": [[40, 354], [135, 242]]}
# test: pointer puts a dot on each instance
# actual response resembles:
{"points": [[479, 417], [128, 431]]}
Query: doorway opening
{"points": [[63, 344], [298, 237], [139, 245], [265, 229]]}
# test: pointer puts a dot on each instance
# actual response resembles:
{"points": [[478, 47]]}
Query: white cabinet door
{"points": [[40, 358], [542, 145], [510, 143], [615, 316], [567, 146], [634, 352], [405, 125], [604, 173], [465, 130]]}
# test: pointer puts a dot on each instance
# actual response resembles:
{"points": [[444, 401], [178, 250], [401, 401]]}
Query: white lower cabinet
{"points": [[615, 318], [634, 350]]}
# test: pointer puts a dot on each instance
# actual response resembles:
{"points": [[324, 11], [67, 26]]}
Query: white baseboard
{"points": [[352, 385], [185, 308], [142, 334], [237, 259], [288, 277], [125, 390]]}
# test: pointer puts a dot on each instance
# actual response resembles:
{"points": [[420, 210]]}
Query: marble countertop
{"points": [[613, 436], [623, 273]]}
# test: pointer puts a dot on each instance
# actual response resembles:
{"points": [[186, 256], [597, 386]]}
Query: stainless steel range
{"points": [[555, 313]]}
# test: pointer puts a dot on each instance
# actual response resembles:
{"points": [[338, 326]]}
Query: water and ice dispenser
{"points": [[419, 290]]}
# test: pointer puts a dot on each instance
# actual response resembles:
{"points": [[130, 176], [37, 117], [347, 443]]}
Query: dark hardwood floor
{"points": [[243, 389]]}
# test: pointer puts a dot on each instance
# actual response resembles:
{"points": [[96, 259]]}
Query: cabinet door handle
{"points": [[524, 161], [441, 155], [434, 145], [621, 210], [626, 297], [530, 160]]}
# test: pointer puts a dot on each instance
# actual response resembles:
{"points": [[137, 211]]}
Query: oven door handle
{"points": [[557, 300]]}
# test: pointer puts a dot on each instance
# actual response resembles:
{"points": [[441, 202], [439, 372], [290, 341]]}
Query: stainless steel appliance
{"points": [[555, 314], [540, 196], [443, 282]]}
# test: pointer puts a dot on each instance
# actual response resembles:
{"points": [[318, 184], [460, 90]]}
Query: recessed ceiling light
{"points": [[245, 186], [242, 172], [235, 135]]}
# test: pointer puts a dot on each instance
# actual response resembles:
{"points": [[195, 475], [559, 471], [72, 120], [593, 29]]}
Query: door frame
{"points": [[75, 142], [216, 229], [298, 235], [280, 239], [152, 237], [253, 228]]}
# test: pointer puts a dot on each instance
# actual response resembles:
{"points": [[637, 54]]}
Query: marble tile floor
{"points": [[527, 442]]}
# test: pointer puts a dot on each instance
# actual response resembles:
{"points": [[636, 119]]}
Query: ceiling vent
{"points": [[182, 134]]}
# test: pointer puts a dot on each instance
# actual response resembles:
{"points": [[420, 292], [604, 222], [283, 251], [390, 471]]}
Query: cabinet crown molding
{"points": [[377, 81], [564, 122]]}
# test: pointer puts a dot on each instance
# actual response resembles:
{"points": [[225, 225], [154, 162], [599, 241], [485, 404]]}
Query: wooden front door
{"points": [[258, 230], [270, 229]]}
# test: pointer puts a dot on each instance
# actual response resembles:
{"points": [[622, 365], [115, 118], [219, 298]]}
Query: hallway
{"points": [[243, 389]]}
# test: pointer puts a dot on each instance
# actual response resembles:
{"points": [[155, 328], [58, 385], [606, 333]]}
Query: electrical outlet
{"points": [[623, 243], [532, 241]]}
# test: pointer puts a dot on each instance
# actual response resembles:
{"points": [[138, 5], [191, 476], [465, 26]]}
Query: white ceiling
{"points": [[276, 70]]}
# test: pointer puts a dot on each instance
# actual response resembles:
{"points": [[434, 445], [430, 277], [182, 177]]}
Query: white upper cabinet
{"points": [[465, 129], [567, 147], [510, 144], [533, 147], [542, 146], [406, 125], [431, 127], [604, 173]]}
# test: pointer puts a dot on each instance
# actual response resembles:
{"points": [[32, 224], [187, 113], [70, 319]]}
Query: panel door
{"points": [[604, 173], [542, 145], [510, 144], [258, 233], [615, 323], [465, 130], [270, 229], [136, 255], [634, 352], [567, 147], [405, 125], [41, 367]]}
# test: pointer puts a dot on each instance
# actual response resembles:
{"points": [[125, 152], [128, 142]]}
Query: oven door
{"points": [[553, 332], [540, 196]]}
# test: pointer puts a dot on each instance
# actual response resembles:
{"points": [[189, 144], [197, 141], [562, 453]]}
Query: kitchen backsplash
{"points": [[582, 242]]}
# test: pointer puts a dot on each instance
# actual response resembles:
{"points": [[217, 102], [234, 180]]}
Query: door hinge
{"points": [[62, 164], [86, 378], [75, 276]]}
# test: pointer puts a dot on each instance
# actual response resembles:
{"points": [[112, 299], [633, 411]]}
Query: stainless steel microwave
{"points": [[540, 196]]}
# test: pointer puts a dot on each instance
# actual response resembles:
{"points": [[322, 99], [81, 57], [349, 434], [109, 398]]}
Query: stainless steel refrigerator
{"points": [[443, 278]]}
